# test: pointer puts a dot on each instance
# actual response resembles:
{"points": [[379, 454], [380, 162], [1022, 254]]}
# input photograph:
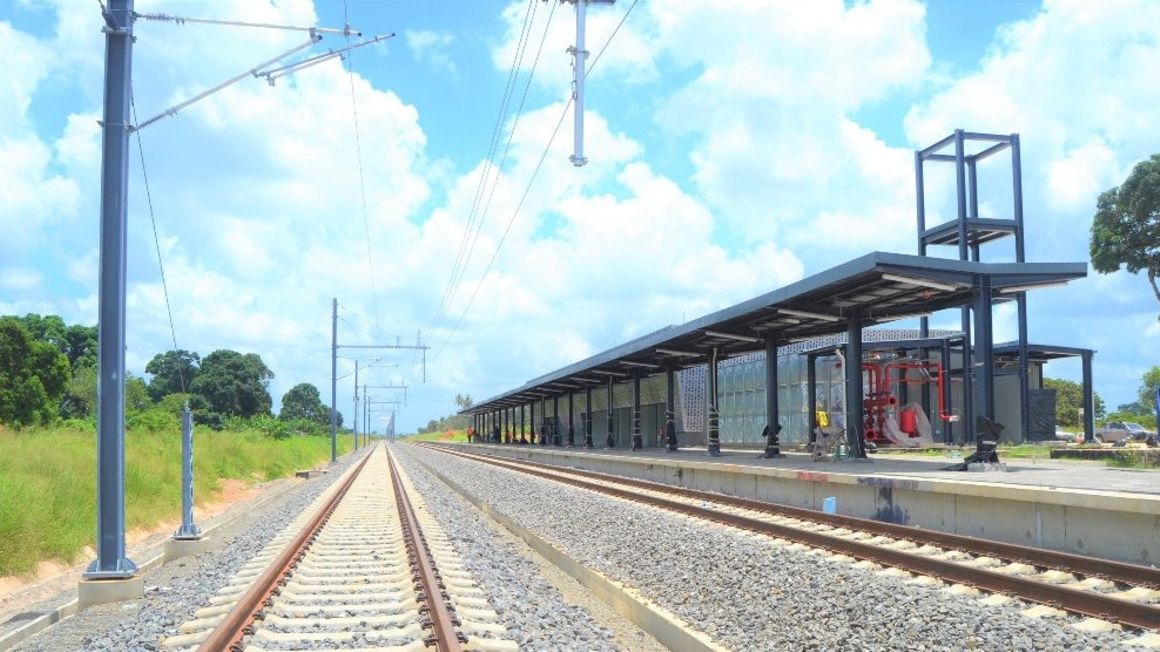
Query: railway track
{"points": [[1103, 591], [366, 566]]}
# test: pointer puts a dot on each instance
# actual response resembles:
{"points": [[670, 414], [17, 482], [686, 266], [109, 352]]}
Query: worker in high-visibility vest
{"points": [[823, 417]]}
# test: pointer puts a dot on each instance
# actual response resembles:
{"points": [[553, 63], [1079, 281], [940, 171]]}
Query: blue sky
{"points": [[732, 151]]}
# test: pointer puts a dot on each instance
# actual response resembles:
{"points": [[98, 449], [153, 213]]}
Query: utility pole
{"points": [[111, 562], [333, 379], [334, 347], [354, 415], [579, 72]]}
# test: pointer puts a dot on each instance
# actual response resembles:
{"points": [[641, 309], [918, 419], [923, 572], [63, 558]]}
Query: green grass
{"points": [[449, 435], [48, 482]]}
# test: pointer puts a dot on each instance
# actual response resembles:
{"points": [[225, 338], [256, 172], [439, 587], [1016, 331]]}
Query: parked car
{"points": [[1116, 432]]}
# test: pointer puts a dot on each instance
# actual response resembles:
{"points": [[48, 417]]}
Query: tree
{"points": [[33, 375], [303, 402], [1126, 226], [1069, 400], [173, 373], [233, 384], [463, 401], [1147, 395], [81, 346]]}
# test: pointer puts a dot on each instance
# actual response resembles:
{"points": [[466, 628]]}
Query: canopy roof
{"points": [[879, 287]]}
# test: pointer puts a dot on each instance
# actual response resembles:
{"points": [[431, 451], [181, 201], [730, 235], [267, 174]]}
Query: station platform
{"points": [[1080, 507]]}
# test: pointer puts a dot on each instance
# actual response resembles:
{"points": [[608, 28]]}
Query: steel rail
{"points": [[1116, 571], [231, 630], [1086, 603], [443, 624]]}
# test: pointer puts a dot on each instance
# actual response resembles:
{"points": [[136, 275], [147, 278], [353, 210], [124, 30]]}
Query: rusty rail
{"points": [[1081, 602], [230, 631], [446, 638]]}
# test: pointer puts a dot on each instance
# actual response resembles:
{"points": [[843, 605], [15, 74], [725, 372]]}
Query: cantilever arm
{"points": [[255, 72]]}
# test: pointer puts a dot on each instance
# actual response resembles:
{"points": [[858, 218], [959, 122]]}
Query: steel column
{"points": [[588, 443], [571, 426], [920, 204], [532, 419], [544, 421], [188, 529], [961, 191], [111, 561], [812, 389], [714, 448], [610, 441], [854, 390], [772, 414], [523, 425], [984, 347], [1024, 374], [948, 433], [1089, 400], [973, 183], [670, 410], [637, 440], [968, 383], [556, 421]]}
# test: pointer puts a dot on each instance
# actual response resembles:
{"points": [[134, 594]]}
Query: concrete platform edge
{"points": [[1111, 525]]}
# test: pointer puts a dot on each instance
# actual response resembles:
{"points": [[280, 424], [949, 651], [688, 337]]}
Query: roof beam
{"points": [[683, 354], [807, 315], [920, 282], [732, 336]]}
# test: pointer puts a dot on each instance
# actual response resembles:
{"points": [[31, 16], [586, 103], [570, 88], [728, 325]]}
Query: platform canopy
{"points": [[876, 288], [1009, 352]]}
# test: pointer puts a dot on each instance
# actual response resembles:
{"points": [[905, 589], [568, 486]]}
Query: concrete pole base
{"points": [[176, 548], [94, 592]]}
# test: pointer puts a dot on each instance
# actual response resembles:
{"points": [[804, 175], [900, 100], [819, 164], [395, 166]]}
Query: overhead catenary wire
{"points": [[460, 262], [361, 175], [527, 189], [157, 242]]}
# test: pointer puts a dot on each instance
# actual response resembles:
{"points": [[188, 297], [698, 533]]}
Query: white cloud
{"points": [[431, 48], [20, 279]]}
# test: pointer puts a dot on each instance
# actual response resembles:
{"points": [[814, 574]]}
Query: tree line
{"points": [[48, 373]]}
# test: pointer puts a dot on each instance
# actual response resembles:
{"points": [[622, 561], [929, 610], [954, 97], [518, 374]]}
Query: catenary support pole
{"points": [[670, 410], [111, 561], [772, 415], [714, 422], [334, 379], [637, 440], [854, 392], [579, 65], [354, 416], [188, 529]]}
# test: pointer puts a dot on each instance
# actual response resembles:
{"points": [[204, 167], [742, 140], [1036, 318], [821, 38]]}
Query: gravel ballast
{"points": [[747, 592], [175, 590], [537, 615]]}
